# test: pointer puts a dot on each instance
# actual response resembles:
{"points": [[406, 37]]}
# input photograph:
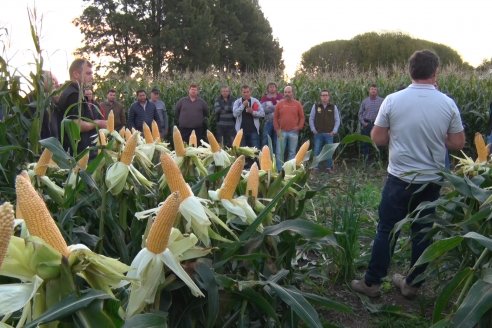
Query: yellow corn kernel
{"points": [[482, 149], [232, 179], [237, 139], [193, 142], [82, 163], [6, 228], [147, 134], [42, 164], [253, 181], [302, 153], [122, 132], [160, 230], [128, 134], [214, 145], [179, 147], [265, 159], [37, 217], [174, 178], [156, 135], [129, 151], [102, 138], [110, 123]]}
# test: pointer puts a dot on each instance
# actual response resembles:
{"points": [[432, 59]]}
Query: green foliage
{"points": [[369, 51], [175, 36]]}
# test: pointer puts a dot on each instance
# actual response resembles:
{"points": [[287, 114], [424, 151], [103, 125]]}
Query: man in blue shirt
{"points": [[142, 111]]}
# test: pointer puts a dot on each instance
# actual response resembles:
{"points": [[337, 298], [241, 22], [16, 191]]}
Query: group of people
{"points": [[418, 124], [282, 115]]}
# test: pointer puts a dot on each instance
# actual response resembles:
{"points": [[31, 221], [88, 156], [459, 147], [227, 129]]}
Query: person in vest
{"points": [[324, 121]]}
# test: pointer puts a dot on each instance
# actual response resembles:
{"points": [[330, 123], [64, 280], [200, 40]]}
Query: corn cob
{"points": [[174, 178], [128, 134], [37, 217], [178, 142], [253, 180], [265, 159], [122, 132], [237, 139], [482, 149], [214, 145], [42, 164], [102, 138], [155, 131], [82, 163], [232, 179], [133, 131], [161, 228], [302, 153], [147, 134], [193, 142], [110, 123], [6, 228], [129, 151]]}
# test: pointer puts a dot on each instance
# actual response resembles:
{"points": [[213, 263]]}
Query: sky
{"points": [[463, 25]]}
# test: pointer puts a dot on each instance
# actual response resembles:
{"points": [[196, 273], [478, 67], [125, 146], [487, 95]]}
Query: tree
{"points": [[174, 35], [370, 50]]}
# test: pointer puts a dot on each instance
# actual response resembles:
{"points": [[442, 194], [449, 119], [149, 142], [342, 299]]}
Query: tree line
{"points": [[159, 36]]}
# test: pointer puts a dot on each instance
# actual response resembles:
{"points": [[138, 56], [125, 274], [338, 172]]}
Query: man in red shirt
{"points": [[288, 120]]}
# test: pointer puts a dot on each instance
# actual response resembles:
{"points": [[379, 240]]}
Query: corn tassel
{"points": [[6, 228], [302, 153], [147, 134], [161, 228], [102, 138], [37, 217], [82, 163], [265, 159], [174, 178], [179, 147], [122, 132], [129, 151], [253, 181], [482, 149], [232, 179], [110, 123], [214, 145], [128, 134], [237, 139], [42, 164], [193, 142], [156, 135]]}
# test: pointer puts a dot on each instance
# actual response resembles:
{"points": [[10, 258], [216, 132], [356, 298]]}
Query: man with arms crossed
{"points": [[417, 123], [87, 119]]}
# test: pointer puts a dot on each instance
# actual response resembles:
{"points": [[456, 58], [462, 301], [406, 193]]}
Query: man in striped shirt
{"points": [[368, 111]]}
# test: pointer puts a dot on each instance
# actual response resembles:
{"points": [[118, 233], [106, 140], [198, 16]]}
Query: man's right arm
{"points": [[455, 141], [311, 119], [361, 113]]}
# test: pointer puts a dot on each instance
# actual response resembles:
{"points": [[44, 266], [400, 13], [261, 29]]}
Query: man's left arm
{"points": [[380, 135], [337, 121]]}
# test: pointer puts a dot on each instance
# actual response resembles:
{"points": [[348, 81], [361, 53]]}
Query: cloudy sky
{"points": [[298, 25]]}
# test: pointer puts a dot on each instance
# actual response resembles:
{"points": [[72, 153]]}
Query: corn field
{"points": [[150, 233]]}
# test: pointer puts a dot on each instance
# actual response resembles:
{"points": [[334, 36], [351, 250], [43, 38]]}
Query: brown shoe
{"points": [[360, 287], [405, 289]]}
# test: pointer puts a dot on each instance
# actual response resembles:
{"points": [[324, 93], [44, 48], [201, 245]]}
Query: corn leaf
{"points": [[438, 248], [476, 303], [147, 320]]}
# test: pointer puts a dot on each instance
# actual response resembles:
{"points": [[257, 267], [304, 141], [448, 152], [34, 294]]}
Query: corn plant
{"points": [[460, 252]]}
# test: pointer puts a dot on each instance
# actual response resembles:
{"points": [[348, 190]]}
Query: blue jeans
{"points": [[251, 139], [269, 130], [364, 147], [321, 139], [397, 200], [287, 141]]}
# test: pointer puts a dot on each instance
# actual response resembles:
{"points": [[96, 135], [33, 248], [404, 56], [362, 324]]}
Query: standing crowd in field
{"points": [[275, 119], [418, 124]]}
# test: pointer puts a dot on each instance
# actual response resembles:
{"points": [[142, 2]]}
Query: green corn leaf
{"points": [[306, 229], [438, 248], [476, 303]]}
